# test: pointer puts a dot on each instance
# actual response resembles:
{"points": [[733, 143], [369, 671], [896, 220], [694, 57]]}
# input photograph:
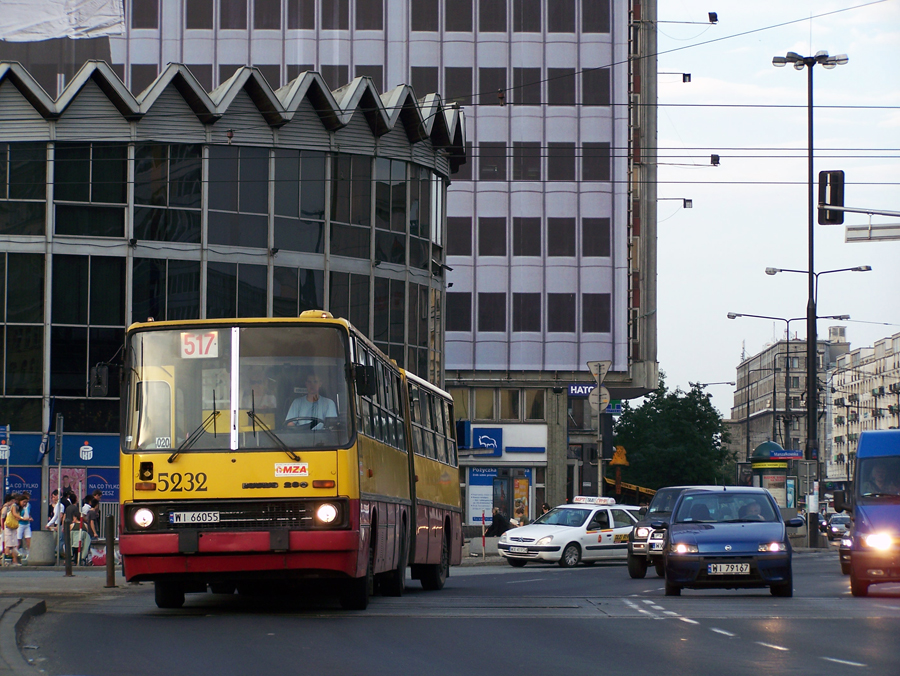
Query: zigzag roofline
{"points": [[422, 119]]}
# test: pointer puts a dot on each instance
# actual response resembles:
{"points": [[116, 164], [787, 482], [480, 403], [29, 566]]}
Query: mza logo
{"points": [[488, 438], [291, 469]]}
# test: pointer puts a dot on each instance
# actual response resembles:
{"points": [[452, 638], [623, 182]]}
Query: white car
{"points": [[588, 530]]}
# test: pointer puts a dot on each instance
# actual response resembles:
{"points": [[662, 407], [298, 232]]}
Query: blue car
{"points": [[727, 538]]}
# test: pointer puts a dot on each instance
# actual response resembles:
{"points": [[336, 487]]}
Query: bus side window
{"points": [[439, 431]]}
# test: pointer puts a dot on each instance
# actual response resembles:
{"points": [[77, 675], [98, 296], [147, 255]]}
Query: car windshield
{"points": [[730, 507], [564, 516], [879, 477], [840, 519], [664, 500], [285, 385]]}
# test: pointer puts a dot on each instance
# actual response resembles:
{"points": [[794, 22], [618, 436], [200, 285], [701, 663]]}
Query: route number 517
{"points": [[200, 345]]}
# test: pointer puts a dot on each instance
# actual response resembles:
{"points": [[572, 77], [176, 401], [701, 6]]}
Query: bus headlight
{"points": [[881, 541], [327, 513], [142, 518]]}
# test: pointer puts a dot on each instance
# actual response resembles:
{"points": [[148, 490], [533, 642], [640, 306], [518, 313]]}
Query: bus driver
{"points": [[313, 409]]}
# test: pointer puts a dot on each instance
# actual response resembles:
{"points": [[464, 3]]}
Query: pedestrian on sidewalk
{"points": [[24, 531], [10, 518], [499, 524]]}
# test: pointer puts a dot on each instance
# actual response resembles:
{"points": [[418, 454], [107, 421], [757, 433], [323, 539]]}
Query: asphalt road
{"points": [[491, 619]]}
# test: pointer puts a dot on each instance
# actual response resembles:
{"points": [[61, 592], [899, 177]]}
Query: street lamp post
{"points": [[799, 63]]}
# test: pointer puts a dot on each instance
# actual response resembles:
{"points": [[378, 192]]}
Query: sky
{"points": [[750, 212]]}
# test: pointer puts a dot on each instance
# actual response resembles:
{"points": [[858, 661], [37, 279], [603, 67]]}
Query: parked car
{"points": [[727, 538], [586, 531]]}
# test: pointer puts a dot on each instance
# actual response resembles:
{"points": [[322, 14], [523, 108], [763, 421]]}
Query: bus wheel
{"points": [[358, 590], [435, 575], [393, 582], [169, 594]]}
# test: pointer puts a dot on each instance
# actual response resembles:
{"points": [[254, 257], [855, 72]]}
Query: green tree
{"points": [[673, 438]]}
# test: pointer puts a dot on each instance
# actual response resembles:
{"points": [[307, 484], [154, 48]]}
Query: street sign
{"points": [[599, 397], [599, 369], [4, 451]]}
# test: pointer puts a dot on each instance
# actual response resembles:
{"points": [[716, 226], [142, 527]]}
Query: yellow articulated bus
{"points": [[257, 452]]}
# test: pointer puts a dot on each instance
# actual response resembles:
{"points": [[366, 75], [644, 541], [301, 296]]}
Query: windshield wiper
{"points": [[194, 436], [265, 428]]}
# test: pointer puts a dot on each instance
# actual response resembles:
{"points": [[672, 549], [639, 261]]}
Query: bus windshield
{"points": [[286, 386]]}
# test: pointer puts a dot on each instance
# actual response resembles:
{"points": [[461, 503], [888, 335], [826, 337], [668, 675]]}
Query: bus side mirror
{"points": [[840, 501], [365, 380], [99, 386]]}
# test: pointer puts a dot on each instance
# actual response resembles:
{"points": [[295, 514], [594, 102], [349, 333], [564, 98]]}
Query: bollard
{"points": [[110, 551], [67, 537]]}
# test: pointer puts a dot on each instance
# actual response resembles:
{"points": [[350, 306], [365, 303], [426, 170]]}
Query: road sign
{"points": [[4, 451], [599, 397], [599, 369]]}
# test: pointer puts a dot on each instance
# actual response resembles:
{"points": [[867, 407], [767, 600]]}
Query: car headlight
{"points": [[846, 542], [546, 540], [882, 541], [772, 547], [327, 513], [683, 548], [835, 529], [503, 537], [142, 518], [641, 533]]}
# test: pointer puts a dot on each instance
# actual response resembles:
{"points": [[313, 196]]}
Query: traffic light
{"points": [[831, 193]]}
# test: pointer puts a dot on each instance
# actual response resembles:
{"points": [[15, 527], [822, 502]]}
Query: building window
{"points": [[492, 312], [296, 290], [369, 15], [235, 290], [424, 15], [233, 14], [142, 76], [351, 203], [301, 14], [459, 311], [526, 89], [492, 161], [335, 14], [458, 88], [145, 14], [424, 79], [484, 403], [374, 72], [460, 403], [527, 16], [561, 312], [526, 161], [198, 14], [596, 313], [595, 16], [204, 73], [492, 16], [168, 192], [595, 237], [561, 161], [595, 162], [595, 87], [459, 236], [526, 236], [238, 184], [491, 236], [491, 81], [509, 405], [526, 312], [267, 15], [23, 176], [335, 75], [560, 236], [389, 313], [22, 297], [390, 210], [561, 86], [299, 200], [534, 404], [92, 173], [458, 16], [561, 18], [165, 290], [349, 297]]}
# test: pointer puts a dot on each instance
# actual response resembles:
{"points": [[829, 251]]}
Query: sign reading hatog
{"points": [[35, 20]]}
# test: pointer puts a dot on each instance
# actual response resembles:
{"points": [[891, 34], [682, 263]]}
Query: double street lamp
{"points": [[800, 62]]}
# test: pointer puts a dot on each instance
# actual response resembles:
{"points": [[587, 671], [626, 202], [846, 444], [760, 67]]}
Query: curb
{"points": [[12, 626]]}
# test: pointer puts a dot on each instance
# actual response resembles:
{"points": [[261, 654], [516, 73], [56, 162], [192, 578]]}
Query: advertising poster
{"points": [[480, 497], [73, 479], [521, 510], [744, 474], [106, 480], [791, 493], [776, 485]]}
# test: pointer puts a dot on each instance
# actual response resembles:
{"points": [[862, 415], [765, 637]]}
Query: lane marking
{"points": [[880, 605], [649, 601], [688, 620], [671, 612], [723, 632], [657, 607], [772, 646], [847, 662], [535, 579]]}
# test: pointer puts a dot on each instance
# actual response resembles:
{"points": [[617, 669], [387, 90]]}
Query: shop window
{"points": [[484, 403], [458, 16], [527, 16]]}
